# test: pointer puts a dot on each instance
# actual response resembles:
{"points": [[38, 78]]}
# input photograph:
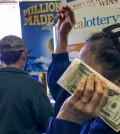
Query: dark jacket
{"points": [[24, 106], [59, 64]]}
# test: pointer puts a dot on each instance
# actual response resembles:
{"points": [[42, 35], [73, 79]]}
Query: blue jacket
{"points": [[59, 64], [57, 126]]}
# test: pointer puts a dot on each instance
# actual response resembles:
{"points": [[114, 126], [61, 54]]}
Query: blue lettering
{"points": [[115, 18], [85, 25], [100, 21], [103, 20]]}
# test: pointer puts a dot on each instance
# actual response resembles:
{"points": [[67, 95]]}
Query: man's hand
{"points": [[86, 102], [66, 20]]}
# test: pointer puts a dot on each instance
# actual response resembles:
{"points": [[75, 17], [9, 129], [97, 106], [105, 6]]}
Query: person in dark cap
{"points": [[24, 105]]}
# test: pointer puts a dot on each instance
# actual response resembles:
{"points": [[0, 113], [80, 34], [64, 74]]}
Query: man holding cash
{"points": [[102, 53]]}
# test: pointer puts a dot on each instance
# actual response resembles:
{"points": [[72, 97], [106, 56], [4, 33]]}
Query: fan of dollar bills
{"points": [[70, 79]]}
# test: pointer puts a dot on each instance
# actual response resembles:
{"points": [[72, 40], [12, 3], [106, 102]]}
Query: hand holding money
{"points": [[110, 113], [87, 100]]}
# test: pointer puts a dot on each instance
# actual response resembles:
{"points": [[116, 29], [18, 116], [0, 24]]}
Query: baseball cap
{"points": [[12, 43]]}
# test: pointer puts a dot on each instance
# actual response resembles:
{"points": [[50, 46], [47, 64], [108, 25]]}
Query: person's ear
{"points": [[24, 56]]}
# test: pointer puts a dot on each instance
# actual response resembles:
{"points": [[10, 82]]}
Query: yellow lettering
{"points": [[57, 6], [51, 7], [36, 20], [50, 19], [43, 19], [46, 4], [26, 11], [28, 20], [42, 9]]}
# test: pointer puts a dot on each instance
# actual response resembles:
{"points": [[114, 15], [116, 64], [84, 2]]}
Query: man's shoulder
{"points": [[28, 82], [33, 81]]}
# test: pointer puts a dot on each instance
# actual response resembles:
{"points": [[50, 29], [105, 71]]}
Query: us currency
{"points": [[70, 79]]}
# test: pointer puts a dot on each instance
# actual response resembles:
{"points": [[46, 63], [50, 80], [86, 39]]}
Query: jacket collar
{"points": [[13, 70]]}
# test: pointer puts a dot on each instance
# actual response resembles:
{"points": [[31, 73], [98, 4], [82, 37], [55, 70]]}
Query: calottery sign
{"points": [[90, 20], [37, 21], [98, 19], [91, 16]]}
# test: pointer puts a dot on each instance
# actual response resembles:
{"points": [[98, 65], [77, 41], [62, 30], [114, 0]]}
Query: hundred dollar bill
{"points": [[70, 79]]}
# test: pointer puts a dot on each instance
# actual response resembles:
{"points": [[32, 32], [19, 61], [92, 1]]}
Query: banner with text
{"points": [[76, 4], [37, 21], [91, 16]]}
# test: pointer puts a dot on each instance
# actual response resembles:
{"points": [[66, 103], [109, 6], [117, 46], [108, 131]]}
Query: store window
{"points": [[10, 19]]}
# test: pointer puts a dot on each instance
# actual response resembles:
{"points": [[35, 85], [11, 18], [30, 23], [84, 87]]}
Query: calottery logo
{"points": [[97, 21], [41, 14]]}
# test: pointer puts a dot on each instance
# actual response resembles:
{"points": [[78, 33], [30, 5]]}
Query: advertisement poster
{"points": [[77, 4], [91, 16], [37, 21]]}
